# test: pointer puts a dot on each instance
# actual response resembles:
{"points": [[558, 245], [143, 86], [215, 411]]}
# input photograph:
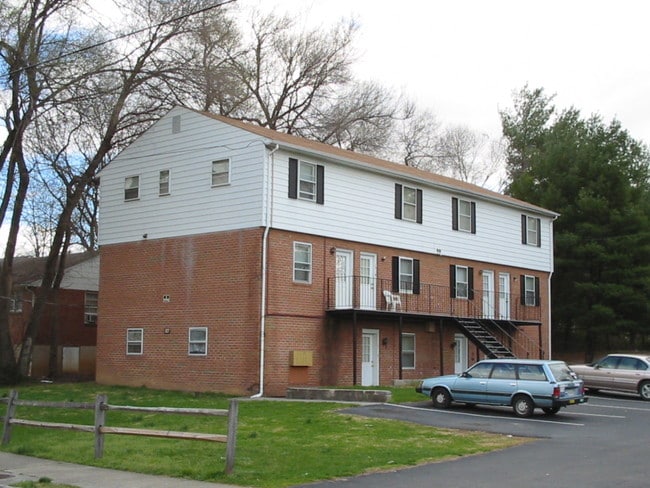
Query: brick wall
{"points": [[211, 281]]}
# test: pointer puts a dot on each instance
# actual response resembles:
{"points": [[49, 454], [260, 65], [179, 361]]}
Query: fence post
{"points": [[233, 413], [100, 421], [11, 411]]}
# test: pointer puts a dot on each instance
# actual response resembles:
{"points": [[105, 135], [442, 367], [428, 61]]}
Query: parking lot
{"points": [[602, 443]]}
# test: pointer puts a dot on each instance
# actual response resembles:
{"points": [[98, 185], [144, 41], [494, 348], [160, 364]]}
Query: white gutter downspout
{"points": [[265, 245], [550, 276]]}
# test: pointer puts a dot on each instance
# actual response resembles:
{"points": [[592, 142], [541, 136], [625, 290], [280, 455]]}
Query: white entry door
{"points": [[344, 287], [370, 357], [368, 282], [504, 296], [488, 294], [460, 351]]}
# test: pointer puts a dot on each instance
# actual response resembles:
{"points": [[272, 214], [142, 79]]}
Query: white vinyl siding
{"points": [[194, 207]]}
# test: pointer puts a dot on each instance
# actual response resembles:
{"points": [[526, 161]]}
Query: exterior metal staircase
{"points": [[476, 332]]}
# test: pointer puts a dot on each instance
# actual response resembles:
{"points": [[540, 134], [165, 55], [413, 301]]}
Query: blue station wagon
{"points": [[521, 383]]}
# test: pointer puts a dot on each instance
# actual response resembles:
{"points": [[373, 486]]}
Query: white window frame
{"points": [[409, 205], [134, 341], [129, 187], [409, 352], [164, 182], [464, 219], [301, 266], [307, 183], [406, 278], [194, 345], [462, 285], [91, 300], [218, 174], [530, 297]]}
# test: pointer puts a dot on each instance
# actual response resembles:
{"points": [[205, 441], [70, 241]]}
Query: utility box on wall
{"points": [[301, 358]]}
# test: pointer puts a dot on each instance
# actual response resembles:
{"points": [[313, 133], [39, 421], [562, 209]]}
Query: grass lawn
{"points": [[279, 443]]}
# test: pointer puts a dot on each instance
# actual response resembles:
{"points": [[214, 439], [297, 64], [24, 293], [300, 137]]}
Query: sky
{"points": [[464, 59]]}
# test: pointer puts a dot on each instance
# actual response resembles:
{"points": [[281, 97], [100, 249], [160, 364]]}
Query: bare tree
{"points": [[467, 155]]}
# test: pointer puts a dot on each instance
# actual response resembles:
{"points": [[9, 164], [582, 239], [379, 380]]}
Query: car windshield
{"points": [[562, 372]]}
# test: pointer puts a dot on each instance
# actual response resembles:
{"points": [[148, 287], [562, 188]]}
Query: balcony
{"points": [[374, 294]]}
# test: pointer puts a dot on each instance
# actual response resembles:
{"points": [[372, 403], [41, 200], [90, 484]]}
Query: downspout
{"points": [[265, 245], [550, 276]]}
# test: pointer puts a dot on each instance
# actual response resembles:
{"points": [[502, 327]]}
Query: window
{"points": [[408, 203], [131, 188], [531, 372], [90, 308], [408, 351], [301, 262], [176, 124], [463, 215], [16, 302], [529, 291], [163, 183], [134, 341], [306, 181], [198, 341], [531, 231], [480, 370], [221, 172], [406, 275], [461, 282]]}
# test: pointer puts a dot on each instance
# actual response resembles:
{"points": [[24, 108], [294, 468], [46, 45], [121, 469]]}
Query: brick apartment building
{"points": [[239, 259]]}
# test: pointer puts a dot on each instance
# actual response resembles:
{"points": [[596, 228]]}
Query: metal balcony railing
{"points": [[365, 293]]}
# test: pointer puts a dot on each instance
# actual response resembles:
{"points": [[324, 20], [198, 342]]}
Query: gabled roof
{"points": [[296, 143], [29, 270]]}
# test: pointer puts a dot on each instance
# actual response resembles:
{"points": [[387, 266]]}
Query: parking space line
{"points": [[601, 415], [453, 412], [618, 407]]}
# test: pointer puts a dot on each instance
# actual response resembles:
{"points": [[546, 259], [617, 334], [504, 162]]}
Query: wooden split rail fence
{"points": [[101, 407]]}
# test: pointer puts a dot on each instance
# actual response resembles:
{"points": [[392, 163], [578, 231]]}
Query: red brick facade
{"points": [[167, 286]]}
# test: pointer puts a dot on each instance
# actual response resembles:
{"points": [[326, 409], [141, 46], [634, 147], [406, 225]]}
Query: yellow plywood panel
{"points": [[302, 358]]}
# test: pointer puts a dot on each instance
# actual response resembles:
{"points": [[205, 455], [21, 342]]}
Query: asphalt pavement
{"points": [[15, 468]]}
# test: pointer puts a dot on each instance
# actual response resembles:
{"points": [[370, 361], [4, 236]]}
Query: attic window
{"points": [[176, 124]]}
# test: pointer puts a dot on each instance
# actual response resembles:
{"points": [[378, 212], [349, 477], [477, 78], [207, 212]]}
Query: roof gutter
{"points": [[265, 247]]}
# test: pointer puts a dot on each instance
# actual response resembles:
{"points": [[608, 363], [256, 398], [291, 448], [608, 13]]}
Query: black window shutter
{"points": [[293, 178], [454, 213], [539, 232], [419, 207], [320, 184], [452, 280], [398, 201], [395, 274], [523, 229], [470, 283], [416, 276], [473, 217], [522, 289], [537, 301]]}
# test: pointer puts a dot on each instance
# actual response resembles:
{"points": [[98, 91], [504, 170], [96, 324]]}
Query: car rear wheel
{"points": [[441, 398], [523, 406], [644, 390], [551, 410]]}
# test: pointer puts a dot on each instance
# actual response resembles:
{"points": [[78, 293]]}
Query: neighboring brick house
{"points": [[69, 320], [240, 259]]}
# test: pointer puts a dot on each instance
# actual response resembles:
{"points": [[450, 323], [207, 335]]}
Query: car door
{"points": [[628, 374], [602, 375], [470, 386], [502, 384]]}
